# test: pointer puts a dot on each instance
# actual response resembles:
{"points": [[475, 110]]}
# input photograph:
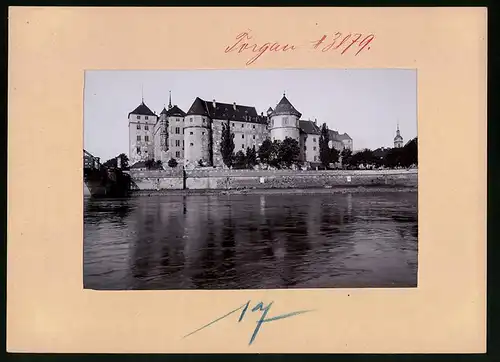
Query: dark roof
{"points": [[140, 164], [225, 111], [270, 109], [142, 109], [309, 127], [175, 112], [380, 152], [333, 135], [163, 111], [285, 107], [345, 136]]}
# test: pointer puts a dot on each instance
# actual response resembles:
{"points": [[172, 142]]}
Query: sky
{"points": [[367, 104]]}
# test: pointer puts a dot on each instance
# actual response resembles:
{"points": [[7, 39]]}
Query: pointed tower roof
{"points": [[398, 134], [175, 112], [284, 107], [169, 100], [142, 110]]}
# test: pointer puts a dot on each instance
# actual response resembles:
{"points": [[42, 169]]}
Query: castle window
{"points": [[182, 143], [314, 148], [145, 117], [285, 120], [177, 143], [177, 154], [138, 150], [202, 133], [253, 136], [191, 133], [191, 119], [146, 138], [242, 126], [138, 117], [191, 144], [138, 138], [253, 126], [243, 146], [138, 126], [242, 136], [315, 158], [177, 130], [146, 127], [232, 124], [314, 139], [305, 148]]}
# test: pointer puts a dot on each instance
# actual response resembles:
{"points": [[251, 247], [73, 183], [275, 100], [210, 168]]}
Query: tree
{"points": [[124, 161], [265, 151], [227, 145], [346, 157], [288, 152], [149, 164], [240, 160], [274, 159], [251, 157], [409, 154], [158, 165], [393, 158], [334, 155], [172, 162], [324, 148]]}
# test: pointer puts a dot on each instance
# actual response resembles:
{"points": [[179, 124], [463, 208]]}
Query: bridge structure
{"points": [[90, 162]]}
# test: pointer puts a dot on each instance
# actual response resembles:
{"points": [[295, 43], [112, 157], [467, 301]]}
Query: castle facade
{"points": [[195, 135]]}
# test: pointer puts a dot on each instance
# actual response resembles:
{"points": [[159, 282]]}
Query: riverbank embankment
{"points": [[245, 181]]}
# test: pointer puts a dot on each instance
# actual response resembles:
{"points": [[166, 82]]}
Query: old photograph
{"points": [[250, 179]]}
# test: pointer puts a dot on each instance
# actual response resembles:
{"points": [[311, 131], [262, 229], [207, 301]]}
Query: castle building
{"points": [[398, 140], [194, 136], [141, 124]]}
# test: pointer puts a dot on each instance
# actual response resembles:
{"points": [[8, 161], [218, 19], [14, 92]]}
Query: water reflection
{"points": [[251, 241]]}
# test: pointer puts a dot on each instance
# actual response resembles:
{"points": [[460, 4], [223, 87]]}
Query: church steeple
{"points": [[169, 99], [398, 140]]}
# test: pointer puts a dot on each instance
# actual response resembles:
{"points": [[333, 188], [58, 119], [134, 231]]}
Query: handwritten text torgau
{"points": [[340, 42]]}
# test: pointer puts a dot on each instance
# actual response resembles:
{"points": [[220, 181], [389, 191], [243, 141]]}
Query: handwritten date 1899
{"points": [[259, 307], [340, 42]]}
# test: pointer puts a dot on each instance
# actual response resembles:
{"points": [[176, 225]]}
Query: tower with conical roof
{"points": [[141, 123], [398, 140], [284, 121]]}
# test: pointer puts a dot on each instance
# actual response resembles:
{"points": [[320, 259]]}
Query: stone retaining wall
{"points": [[278, 179]]}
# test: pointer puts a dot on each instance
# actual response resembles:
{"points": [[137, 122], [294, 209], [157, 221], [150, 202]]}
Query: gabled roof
{"points": [[285, 107], [333, 135], [142, 110], [344, 137], [175, 112], [225, 111], [140, 164], [309, 127], [163, 111]]}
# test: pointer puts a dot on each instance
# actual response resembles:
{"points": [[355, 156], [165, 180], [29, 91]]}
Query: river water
{"points": [[251, 241]]}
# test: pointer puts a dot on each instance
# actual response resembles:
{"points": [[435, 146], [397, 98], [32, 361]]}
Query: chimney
{"points": [[262, 114], [234, 106], [213, 103], [315, 121]]}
